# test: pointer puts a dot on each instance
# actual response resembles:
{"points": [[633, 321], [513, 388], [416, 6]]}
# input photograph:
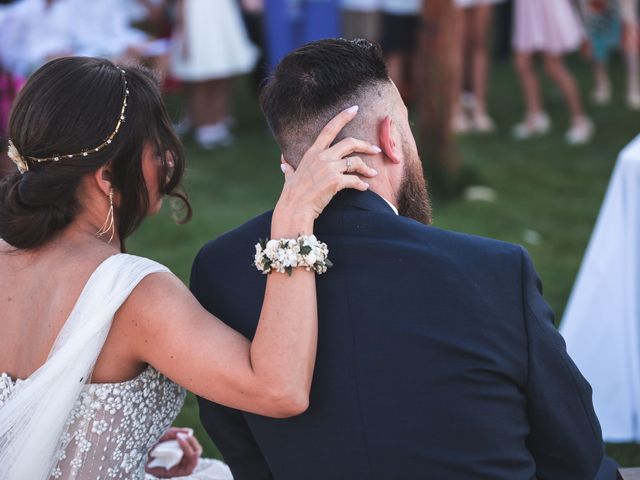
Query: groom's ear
{"points": [[388, 140]]}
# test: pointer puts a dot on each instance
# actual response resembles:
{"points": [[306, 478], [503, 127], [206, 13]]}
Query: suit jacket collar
{"points": [[366, 200]]}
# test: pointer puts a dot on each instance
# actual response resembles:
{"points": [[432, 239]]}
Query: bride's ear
{"points": [[102, 177]]}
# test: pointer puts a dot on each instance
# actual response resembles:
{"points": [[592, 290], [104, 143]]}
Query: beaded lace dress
{"points": [[56, 425], [112, 426]]}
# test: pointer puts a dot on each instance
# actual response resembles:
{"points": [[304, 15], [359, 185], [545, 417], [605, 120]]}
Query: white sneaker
{"points": [[482, 123], [213, 136], [581, 132], [460, 123], [534, 125], [601, 95], [633, 101]]}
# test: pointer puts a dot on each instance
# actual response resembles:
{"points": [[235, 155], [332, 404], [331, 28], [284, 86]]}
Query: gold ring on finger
{"points": [[348, 165]]}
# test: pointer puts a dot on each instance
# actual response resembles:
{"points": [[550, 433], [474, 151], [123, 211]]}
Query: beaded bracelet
{"points": [[288, 253]]}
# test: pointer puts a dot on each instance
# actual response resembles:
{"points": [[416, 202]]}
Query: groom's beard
{"points": [[413, 197]]}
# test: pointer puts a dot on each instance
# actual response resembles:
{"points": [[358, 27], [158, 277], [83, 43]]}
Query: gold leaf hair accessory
{"points": [[21, 160], [18, 159]]}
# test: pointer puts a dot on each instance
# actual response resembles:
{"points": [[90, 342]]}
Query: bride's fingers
{"points": [[171, 433], [193, 441], [187, 447], [334, 127], [350, 145], [287, 170], [356, 165], [197, 448], [351, 181]]}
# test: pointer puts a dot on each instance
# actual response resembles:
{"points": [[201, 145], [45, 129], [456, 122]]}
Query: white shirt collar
{"points": [[393, 207]]}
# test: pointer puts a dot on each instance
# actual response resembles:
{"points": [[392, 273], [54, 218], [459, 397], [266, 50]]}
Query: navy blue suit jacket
{"points": [[437, 359]]}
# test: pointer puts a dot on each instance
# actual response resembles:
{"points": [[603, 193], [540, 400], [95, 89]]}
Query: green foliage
{"points": [[542, 186]]}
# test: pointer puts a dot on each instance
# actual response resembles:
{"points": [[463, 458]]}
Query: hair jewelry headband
{"points": [[21, 161]]}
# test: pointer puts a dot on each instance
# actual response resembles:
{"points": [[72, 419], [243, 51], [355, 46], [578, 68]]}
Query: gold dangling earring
{"points": [[109, 224]]}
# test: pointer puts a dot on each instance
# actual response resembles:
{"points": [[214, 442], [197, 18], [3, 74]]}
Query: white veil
{"points": [[35, 416]]}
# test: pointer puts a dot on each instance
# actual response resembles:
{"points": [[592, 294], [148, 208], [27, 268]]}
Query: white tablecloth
{"points": [[601, 324]]}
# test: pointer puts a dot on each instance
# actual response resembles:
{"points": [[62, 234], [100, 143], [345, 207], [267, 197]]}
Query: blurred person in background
{"points": [[607, 22], [553, 29], [629, 16], [472, 25], [6, 97], [604, 28], [210, 47], [399, 36], [253, 16], [32, 32], [35, 31], [9, 86], [361, 19]]}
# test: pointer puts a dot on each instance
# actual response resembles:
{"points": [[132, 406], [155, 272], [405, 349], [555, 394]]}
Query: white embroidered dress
{"points": [[55, 425], [112, 426]]}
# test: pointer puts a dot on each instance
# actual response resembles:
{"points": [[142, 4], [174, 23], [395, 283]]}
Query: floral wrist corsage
{"points": [[288, 253]]}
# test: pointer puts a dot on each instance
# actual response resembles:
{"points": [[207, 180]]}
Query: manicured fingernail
{"points": [[283, 167], [353, 109], [376, 149], [366, 184], [375, 172], [182, 436]]}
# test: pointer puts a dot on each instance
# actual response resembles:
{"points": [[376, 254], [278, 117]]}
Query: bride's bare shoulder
{"points": [[160, 306], [158, 296]]}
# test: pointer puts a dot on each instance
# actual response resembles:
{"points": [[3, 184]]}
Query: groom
{"points": [[437, 358]]}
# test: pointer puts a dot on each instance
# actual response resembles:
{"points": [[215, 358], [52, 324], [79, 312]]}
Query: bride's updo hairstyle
{"points": [[70, 106]]}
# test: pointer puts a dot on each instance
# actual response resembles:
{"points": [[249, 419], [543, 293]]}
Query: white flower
{"points": [[311, 258], [259, 260], [272, 246], [290, 258]]}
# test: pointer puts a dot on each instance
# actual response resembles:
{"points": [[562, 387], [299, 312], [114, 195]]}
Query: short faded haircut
{"points": [[314, 83]]}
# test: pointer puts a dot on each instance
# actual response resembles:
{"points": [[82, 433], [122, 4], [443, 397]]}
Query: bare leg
{"points": [[556, 69], [581, 129], [630, 46], [208, 102], [209, 108], [459, 122], [536, 122], [602, 88], [480, 58], [529, 83]]}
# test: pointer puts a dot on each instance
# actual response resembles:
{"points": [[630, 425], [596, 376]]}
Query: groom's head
{"points": [[314, 83]]}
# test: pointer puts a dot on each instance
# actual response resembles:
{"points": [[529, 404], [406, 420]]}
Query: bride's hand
{"points": [[323, 171], [191, 450]]}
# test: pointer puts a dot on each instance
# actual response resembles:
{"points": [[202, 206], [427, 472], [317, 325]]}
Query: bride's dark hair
{"points": [[72, 104]]}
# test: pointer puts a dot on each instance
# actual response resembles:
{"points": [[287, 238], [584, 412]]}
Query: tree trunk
{"points": [[437, 63]]}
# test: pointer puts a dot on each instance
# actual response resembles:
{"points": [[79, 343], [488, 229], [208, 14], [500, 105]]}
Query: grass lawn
{"points": [[542, 185]]}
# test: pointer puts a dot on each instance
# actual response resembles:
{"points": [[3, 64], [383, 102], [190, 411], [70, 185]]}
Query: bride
{"points": [[97, 345]]}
